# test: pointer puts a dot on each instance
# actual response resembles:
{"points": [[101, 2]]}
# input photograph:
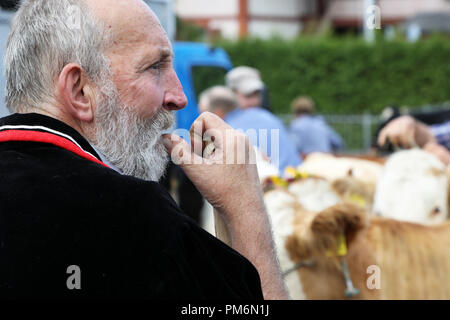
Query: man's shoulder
{"points": [[56, 171], [57, 186], [262, 116], [309, 122]]}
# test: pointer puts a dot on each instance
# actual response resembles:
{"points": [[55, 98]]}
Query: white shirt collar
{"points": [[105, 161]]}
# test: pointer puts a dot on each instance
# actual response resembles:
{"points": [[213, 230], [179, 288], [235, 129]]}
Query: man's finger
{"points": [[179, 150], [208, 121], [197, 143], [382, 138]]}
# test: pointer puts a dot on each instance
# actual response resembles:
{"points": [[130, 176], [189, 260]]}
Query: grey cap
{"points": [[245, 80]]}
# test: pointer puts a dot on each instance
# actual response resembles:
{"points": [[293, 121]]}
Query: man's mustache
{"points": [[166, 118]]}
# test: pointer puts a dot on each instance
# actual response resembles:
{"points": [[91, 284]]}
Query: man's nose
{"points": [[174, 97]]}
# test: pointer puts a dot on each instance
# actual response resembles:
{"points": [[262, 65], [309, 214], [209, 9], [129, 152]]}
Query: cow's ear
{"points": [[297, 248], [340, 220]]}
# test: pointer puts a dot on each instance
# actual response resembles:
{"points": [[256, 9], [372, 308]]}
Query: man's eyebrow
{"points": [[165, 53]]}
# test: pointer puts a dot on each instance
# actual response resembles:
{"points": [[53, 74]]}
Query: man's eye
{"points": [[155, 66]]}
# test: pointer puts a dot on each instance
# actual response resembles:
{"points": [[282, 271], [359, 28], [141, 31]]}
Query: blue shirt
{"points": [[312, 134], [266, 132], [442, 133]]}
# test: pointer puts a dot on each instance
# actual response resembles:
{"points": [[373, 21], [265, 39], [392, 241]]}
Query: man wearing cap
{"points": [[264, 129], [311, 133]]}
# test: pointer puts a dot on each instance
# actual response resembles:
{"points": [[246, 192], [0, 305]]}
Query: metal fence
{"points": [[356, 130]]}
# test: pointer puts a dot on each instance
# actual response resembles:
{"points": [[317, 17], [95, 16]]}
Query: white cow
{"points": [[332, 168], [314, 194], [281, 207], [413, 186]]}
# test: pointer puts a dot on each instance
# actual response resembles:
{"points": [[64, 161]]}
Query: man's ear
{"points": [[75, 93]]}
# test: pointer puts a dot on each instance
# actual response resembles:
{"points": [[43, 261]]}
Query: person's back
{"points": [[312, 134]]}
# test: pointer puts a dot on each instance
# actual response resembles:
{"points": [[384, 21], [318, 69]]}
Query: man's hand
{"points": [[224, 176], [405, 132], [439, 151], [228, 179]]}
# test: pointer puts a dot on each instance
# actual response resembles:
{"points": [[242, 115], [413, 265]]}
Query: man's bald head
{"points": [[46, 35], [125, 19]]}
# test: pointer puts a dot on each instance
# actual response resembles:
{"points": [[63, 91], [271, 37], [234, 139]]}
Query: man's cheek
{"points": [[148, 103]]}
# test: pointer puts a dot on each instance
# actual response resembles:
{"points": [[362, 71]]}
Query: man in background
{"points": [[246, 83], [407, 132], [311, 133], [6, 14], [219, 100]]}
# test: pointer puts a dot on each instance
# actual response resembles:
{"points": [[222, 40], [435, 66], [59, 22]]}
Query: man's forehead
{"points": [[128, 21]]}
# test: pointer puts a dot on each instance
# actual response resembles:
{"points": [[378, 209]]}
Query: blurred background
{"points": [[324, 49], [360, 66]]}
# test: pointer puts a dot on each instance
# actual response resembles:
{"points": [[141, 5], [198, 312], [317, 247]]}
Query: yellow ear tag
{"points": [[290, 172], [342, 246], [277, 181], [303, 174], [341, 249], [357, 199]]}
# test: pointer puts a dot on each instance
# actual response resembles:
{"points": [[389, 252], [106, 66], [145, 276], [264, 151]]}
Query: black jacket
{"points": [[59, 206]]}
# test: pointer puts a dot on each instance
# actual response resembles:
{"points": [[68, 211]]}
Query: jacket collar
{"points": [[40, 123]]}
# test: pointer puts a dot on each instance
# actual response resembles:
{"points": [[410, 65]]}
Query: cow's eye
{"points": [[435, 211]]}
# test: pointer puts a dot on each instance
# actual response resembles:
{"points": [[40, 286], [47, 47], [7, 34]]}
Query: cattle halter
{"points": [[341, 253], [306, 263]]}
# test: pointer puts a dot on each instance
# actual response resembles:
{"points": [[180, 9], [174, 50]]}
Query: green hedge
{"points": [[347, 75]]}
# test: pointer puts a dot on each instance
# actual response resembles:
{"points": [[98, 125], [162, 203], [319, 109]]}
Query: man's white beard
{"points": [[132, 144]]}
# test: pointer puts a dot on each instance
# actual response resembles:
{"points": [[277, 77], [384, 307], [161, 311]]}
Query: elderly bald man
{"points": [[92, 87]]}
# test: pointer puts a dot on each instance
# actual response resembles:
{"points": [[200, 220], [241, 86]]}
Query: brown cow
{"points": [[386, 259]]}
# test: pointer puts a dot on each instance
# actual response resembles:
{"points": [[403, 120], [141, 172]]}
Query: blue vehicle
{"points": [[197, 64]]}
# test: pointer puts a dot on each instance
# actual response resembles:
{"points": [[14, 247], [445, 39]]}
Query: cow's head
{"points": [[413, 187], [318, 239], [354, 190], [314, 193]]}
